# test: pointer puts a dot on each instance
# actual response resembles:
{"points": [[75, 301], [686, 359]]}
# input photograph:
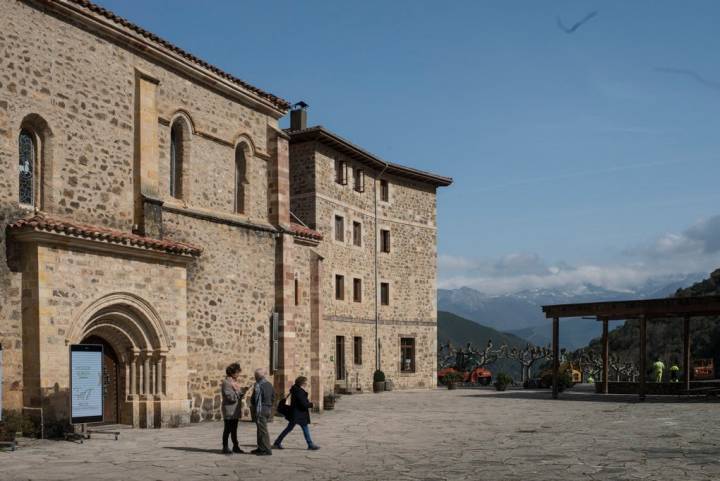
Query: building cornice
{"points": [[322, 135], [145, 44]]}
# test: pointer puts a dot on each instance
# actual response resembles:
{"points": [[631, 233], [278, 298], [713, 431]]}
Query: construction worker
{"points": [[658, 367], [674, 370]]}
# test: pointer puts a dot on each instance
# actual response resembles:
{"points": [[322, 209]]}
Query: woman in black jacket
{"points": [[299, 414]]}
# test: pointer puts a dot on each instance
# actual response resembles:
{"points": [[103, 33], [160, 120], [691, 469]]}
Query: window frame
{"points": [[34, 164], [357, 350], [384, 190], [339, 229], [341, 172], [339, 287], [178, 131], [408, 343], [359, 180], [357, 289], [357, 233], [385, 241], [240, 192], [384, 293]]}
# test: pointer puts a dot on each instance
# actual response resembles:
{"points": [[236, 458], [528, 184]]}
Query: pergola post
{"points": [[643, 355], [686, 354], [556, 356], [605, 355]]}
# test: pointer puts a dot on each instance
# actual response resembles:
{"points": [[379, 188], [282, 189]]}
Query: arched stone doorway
{"points": [[134, 367]]}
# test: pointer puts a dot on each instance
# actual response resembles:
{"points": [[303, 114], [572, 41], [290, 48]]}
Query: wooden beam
{"points": [[686, 353], [643, 355], [605, 355], [556, 356], [672, 307]]}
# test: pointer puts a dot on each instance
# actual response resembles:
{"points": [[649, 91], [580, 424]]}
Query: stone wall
{"points": [[409, 268]]}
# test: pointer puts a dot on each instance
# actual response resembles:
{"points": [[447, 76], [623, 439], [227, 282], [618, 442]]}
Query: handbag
{"points": [[284, 406]]}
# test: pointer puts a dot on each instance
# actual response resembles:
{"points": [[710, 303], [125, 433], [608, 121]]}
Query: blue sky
{"points": [[584, 157]]}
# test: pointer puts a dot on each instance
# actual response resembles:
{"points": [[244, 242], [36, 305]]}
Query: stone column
{"points": [[159, 361], [146, 374], [316, 333], [132, 355], [147, 156]]}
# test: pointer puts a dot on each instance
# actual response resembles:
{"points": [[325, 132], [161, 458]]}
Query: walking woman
{"points": [[232, 393], [299, 413]]}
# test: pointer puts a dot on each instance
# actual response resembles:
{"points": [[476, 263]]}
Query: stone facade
{"points": [[409, 268], [160, 225]]}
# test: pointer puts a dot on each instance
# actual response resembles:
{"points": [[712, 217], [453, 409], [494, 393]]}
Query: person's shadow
{"points": [[245, 447]]}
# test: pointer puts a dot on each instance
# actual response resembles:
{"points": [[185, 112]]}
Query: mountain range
{"points": [[520, 313]]}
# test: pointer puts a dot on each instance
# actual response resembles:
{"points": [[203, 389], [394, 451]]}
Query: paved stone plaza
{"points": [[418, 435]]}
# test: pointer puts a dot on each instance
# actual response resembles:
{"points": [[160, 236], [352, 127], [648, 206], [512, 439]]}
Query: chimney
{"points": [[298, 116]]}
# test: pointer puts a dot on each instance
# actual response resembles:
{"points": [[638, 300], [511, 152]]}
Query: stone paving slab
{"points": [[417, 436]]}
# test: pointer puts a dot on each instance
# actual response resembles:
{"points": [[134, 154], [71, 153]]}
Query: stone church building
{"points": [[149, 202]]}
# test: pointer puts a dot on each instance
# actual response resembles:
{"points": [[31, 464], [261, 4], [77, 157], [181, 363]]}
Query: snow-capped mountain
{"points": [[520, 313]]}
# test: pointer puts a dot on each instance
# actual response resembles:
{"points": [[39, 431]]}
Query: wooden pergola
{"points": [[670, 308]]}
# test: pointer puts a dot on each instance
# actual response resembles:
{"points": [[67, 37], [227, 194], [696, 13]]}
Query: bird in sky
{"points": [[693, 75], [577, 25]]}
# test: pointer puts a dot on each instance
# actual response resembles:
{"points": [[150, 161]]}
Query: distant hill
{"points": [[520, 313], [665, 336], [459, 331]]}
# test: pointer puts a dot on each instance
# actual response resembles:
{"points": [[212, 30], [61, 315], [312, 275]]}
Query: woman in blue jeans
{"points": [[299, 414]]}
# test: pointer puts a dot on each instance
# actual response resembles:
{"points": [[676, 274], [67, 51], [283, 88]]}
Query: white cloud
{"points": [[696, 249]]}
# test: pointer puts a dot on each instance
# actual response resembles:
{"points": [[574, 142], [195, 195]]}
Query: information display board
{"points": [[86, 403], [1, 380]]}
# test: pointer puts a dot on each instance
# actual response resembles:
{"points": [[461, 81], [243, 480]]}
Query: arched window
{"points": [[176, 159], [240, 178], [27, 167]]}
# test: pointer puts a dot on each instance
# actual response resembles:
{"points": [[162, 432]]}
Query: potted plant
{"points": [[329, 401], [378, 381], [502, 381], [451, 378], [564, 381]]}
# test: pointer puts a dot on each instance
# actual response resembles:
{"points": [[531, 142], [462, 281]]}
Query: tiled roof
{"points": [[278, 102], [306, 232], [321, 134], [41, 222]]}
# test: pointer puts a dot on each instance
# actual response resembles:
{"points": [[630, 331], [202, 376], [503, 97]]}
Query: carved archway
{"points": [[138, 336]]}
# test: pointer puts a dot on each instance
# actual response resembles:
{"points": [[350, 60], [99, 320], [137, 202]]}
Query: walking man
{"points": [[261, 406]]}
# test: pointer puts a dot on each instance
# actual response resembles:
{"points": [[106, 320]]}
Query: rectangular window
{"points": [[340, 287], [357, 350], [357, 290], [407, 354], [385, 293], [359, 177], [339, 229], [357, 234], [384, 240], [384, 190], [339, 358], [341, 171], [297, 293]]}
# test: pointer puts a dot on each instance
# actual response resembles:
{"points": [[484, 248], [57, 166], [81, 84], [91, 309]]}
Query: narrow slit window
{"points": [[384, 241], [357, 234], [359, 177], [240, 179], [27, 167], [176, 160], [385, 293], [341, 172], [339, 228], [357, 350], [384, 190], [339, 287], [357, 290]]}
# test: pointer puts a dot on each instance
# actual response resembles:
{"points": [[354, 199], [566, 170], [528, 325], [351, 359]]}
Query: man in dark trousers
{"points": [[261, 405]]}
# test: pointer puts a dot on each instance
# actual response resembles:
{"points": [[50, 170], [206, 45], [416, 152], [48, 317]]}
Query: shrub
{"points": [[452, 377], [17, 422], [502, 380], [379, 376]]}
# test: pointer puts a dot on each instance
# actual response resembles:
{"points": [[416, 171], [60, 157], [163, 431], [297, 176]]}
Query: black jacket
{"points": [[300, 406]]}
